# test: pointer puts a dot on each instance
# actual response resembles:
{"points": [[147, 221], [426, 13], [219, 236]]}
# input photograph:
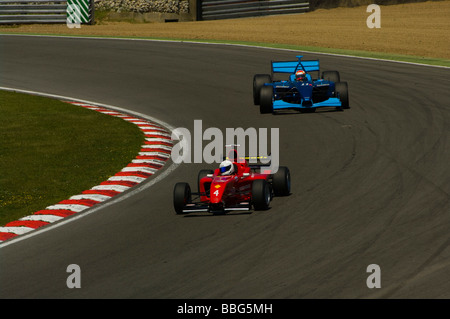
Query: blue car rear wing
{"points": [[292, 66]]}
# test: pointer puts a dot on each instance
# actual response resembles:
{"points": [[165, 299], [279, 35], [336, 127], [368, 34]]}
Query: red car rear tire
{"points": [[261, 194]]}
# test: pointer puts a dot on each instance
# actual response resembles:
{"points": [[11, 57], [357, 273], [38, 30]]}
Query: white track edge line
{"points": [[225, 44]]}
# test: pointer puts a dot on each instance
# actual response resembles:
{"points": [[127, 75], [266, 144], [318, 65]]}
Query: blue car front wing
{"points": [[331, 102]]}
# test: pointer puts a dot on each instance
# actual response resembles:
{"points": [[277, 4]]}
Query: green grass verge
{"points": [[356, 53], [51, 150]]}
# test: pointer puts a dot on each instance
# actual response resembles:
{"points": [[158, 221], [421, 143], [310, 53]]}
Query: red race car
{"points": [[235, 185]]}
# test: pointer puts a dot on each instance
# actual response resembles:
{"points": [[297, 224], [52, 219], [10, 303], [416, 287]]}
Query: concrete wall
{"points": [[147, 11]]}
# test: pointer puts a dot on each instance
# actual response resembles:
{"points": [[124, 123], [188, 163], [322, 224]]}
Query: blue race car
{"points": [[299, 91]]}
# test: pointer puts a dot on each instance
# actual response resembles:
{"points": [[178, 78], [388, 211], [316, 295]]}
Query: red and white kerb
{"points": [[152, 157]]}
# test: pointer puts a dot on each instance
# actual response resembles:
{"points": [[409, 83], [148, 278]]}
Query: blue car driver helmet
{"points": [[300, 75]]}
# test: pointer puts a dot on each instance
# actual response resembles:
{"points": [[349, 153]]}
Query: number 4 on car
{"points": [[236, 185]]}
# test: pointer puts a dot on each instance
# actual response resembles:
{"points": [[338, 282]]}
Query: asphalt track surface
{"points": [[371, 185]]}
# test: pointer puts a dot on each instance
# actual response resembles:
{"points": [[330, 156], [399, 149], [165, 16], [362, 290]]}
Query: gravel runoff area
{"points": [[417, 29]]}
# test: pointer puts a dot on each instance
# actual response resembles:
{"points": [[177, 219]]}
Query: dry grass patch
{"points": [[419, 29]]}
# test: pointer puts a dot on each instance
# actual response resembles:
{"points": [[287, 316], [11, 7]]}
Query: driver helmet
{"points": [[226, 168], [300, 75]]}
